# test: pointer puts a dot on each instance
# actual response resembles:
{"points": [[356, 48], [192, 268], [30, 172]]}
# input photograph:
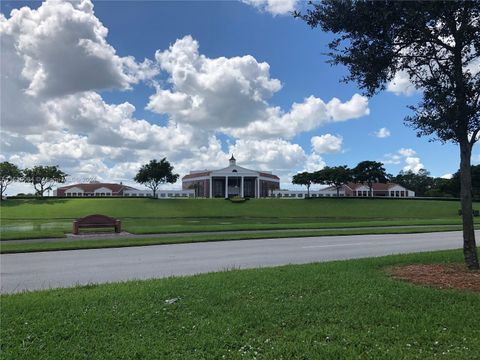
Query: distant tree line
{"points": [[370, 172]]}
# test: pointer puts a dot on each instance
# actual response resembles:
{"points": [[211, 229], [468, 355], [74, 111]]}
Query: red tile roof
{"points": [[195, 175], [269, 175]]}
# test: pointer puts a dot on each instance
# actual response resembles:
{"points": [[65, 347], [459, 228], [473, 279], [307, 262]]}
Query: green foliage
{"points": [[369, 172], [155, 173], [9, 173], [420, 182], [336, 310], [304, 178], [334, 176], [43, 177]]}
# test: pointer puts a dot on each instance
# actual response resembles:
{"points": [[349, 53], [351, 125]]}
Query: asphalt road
{"points": [[43, 270]]}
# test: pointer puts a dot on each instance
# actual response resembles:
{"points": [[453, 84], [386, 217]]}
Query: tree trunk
{"points": [[338, 191], [469, 245], [308, 191]]}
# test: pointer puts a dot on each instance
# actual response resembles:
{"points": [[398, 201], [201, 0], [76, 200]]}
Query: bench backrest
{"points": [[96, 219]]}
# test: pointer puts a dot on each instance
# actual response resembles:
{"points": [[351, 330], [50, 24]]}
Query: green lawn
{"points": [[336, 310], [53, 217]]}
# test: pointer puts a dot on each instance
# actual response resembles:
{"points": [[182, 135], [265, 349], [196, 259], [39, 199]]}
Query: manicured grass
{"points": [[336, 310], [6, 247], [33, 218], [218, 208]]}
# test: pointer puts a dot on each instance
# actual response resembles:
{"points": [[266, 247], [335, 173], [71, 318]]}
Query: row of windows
{"points": [[302, 195], [86, 195], [161, 195]]}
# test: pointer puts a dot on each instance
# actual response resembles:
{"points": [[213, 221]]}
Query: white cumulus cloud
{"points": [[382, 133], [407, 156], [274, 7], [327, 143]]}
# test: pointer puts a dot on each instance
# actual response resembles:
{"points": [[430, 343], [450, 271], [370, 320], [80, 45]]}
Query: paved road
{"points": [[33, 271]]}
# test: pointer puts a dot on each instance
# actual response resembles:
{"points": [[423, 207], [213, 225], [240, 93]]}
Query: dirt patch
{"points": [[443, 276]]}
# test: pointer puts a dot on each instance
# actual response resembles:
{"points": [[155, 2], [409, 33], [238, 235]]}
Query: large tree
{"points": [[9, 173], [303, 178], [369, 172], [43, 177], [437, 45], [155, 173], [336, 176], [420, 182]]}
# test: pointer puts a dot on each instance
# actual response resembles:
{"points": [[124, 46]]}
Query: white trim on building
{"points": [[162, 194]]}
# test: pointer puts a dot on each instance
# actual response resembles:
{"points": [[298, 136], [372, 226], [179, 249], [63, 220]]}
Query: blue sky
{"points": [[71, 111]]}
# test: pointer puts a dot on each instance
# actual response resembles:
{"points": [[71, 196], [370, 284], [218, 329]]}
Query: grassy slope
{"points": [[53, 217], [332, 310], [263, 208]]}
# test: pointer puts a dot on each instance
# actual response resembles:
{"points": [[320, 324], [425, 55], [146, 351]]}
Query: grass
{"points": [[32, 218], [336, 310], [6, 248]]}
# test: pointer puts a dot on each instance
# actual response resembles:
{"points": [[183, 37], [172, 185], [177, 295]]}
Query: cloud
{"points": [[220, 92], [407, 156], [327, 143], [64, 50], [56, 59], [277, 154], [447, 176], [274, 7], [413, 164], [231, 94], [302, 117], [382, 133], [401, 84]]}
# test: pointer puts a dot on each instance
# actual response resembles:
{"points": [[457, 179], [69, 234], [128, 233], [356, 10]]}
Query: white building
{"points": [[390, 190], [231, 181]]}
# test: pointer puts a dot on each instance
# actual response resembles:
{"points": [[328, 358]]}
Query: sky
{"points": [[100, 88]]}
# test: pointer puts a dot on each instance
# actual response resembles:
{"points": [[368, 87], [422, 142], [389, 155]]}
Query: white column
{"points": [[241, 187], [211, 187], [226, 187], [258, 187]]}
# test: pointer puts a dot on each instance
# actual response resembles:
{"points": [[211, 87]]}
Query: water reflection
{"points": [[33, 227]]}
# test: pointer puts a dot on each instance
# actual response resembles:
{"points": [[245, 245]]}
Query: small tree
{"points": [[304, 178], [336, 176], [43, 177], [9, 173], [369, 172], [155, 173]]}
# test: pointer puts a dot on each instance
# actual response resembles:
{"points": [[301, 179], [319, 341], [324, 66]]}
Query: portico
{"points": [[231, 181]]}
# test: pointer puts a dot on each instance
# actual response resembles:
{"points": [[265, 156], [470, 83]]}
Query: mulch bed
{"points": [[443, 276]]}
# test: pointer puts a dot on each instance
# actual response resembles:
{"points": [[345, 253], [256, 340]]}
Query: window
{"points": [[234, 170], [162, 195], [300, 195]]}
